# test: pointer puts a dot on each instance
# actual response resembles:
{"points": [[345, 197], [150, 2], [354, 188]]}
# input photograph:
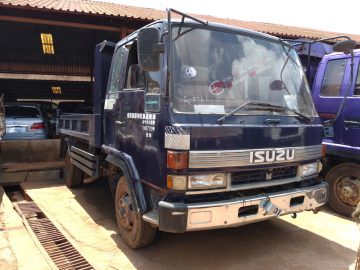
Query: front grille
{"points": [[256, 176], [239, 158], [284, 172]]}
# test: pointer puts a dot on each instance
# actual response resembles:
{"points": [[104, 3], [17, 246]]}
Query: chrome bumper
{"points": [[180, 217]]}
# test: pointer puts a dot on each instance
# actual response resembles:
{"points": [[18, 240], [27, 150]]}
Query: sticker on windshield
{"points": [[190, 72], [216, 88], [209, 109]]}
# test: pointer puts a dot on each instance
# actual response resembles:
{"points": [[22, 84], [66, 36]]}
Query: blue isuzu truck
{"points": [[336, 91], [197, 126]]}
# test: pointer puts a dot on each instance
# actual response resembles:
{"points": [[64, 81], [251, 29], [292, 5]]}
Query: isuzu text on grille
{"points": [[271, 155]]}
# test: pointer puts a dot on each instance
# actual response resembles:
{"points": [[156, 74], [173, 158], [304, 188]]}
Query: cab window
{"points": [[333, 78], [116, 67], [357, 84], [136, 78]]}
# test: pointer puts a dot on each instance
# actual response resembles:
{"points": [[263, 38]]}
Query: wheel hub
{"points": [[348, 189], [126, 212]]}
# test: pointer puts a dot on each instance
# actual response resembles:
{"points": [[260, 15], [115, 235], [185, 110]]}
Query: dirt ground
{"points": [[86, 216]]}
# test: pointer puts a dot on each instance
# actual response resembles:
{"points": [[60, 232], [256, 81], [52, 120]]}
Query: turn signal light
{"points": [[176, 182], [177, 160]]}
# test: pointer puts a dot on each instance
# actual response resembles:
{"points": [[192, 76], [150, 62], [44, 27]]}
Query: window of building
{"points": [[47, 43], [56, 90]]}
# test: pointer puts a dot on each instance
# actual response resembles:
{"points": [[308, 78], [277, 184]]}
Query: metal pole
{"points": [[308, 61]]}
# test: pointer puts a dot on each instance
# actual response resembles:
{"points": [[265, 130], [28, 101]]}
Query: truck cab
{"points": [[203, 126], [332, 82]]}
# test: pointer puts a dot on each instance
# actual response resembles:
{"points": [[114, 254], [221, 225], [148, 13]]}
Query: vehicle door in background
{"points": [[329, 89], [350, 117]]}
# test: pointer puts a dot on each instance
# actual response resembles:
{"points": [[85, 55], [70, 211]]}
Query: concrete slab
{"points": [[22, 160], [18, 177], [30, 150], [17, 249], [86, 215]]}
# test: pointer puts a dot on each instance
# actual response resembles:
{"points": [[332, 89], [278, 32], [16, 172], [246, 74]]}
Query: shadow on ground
{"points": [[274, 244]]}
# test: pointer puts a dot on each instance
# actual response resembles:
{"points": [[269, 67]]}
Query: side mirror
{"points": [[276, 85], [149, 49], [345, 46]]}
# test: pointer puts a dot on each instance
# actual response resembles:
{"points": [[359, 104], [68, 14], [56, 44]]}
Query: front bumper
{"points": [[181, 217]]}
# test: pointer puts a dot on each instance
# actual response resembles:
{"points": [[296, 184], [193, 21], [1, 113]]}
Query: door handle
{"points": [[351, 124], [120, 123]]}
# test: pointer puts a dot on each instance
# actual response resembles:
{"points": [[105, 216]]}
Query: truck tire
{"points": [[344, 187], [134, 231], [73, 175]]}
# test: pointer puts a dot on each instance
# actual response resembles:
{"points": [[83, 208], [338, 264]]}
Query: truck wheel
{"points": [[344, 185], [135, 232], [72, 174]]}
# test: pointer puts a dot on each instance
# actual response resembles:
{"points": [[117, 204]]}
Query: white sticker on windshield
{"points": [[190, 72], [209, 109]]}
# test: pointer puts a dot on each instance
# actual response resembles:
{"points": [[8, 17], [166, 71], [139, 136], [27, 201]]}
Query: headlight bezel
{"points": [[310, 169], [210, 181]]}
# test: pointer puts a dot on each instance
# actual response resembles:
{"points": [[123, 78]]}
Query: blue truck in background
{"points": [[335, 79], [197, 126]]}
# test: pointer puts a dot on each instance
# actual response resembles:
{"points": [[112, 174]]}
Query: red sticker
{"points": [[218, 87]]}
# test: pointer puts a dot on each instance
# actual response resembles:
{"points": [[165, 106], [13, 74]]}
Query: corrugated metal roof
{"points": [[90, 7], [111, 9]]}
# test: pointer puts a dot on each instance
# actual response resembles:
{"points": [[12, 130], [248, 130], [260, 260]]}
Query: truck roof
{"points": [[341, 54], [210, 25]]}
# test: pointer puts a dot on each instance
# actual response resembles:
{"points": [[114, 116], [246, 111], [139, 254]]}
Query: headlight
{"points": [[204, 181], [310, 169]]}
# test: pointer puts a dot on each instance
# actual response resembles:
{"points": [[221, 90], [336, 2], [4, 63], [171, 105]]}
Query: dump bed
{"points": [[88, 127], [81, 126]]}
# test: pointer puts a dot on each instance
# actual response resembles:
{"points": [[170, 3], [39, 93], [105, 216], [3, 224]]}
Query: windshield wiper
{"points": [[263, 104]]}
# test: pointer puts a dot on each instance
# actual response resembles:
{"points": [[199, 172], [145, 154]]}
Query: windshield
{"points": [[215, 72]]}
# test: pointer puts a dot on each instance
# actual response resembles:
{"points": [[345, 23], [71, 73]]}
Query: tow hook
{"points": [[294, 215]]}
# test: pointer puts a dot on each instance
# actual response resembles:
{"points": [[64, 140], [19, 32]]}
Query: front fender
{"points": [[128, 167]]}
